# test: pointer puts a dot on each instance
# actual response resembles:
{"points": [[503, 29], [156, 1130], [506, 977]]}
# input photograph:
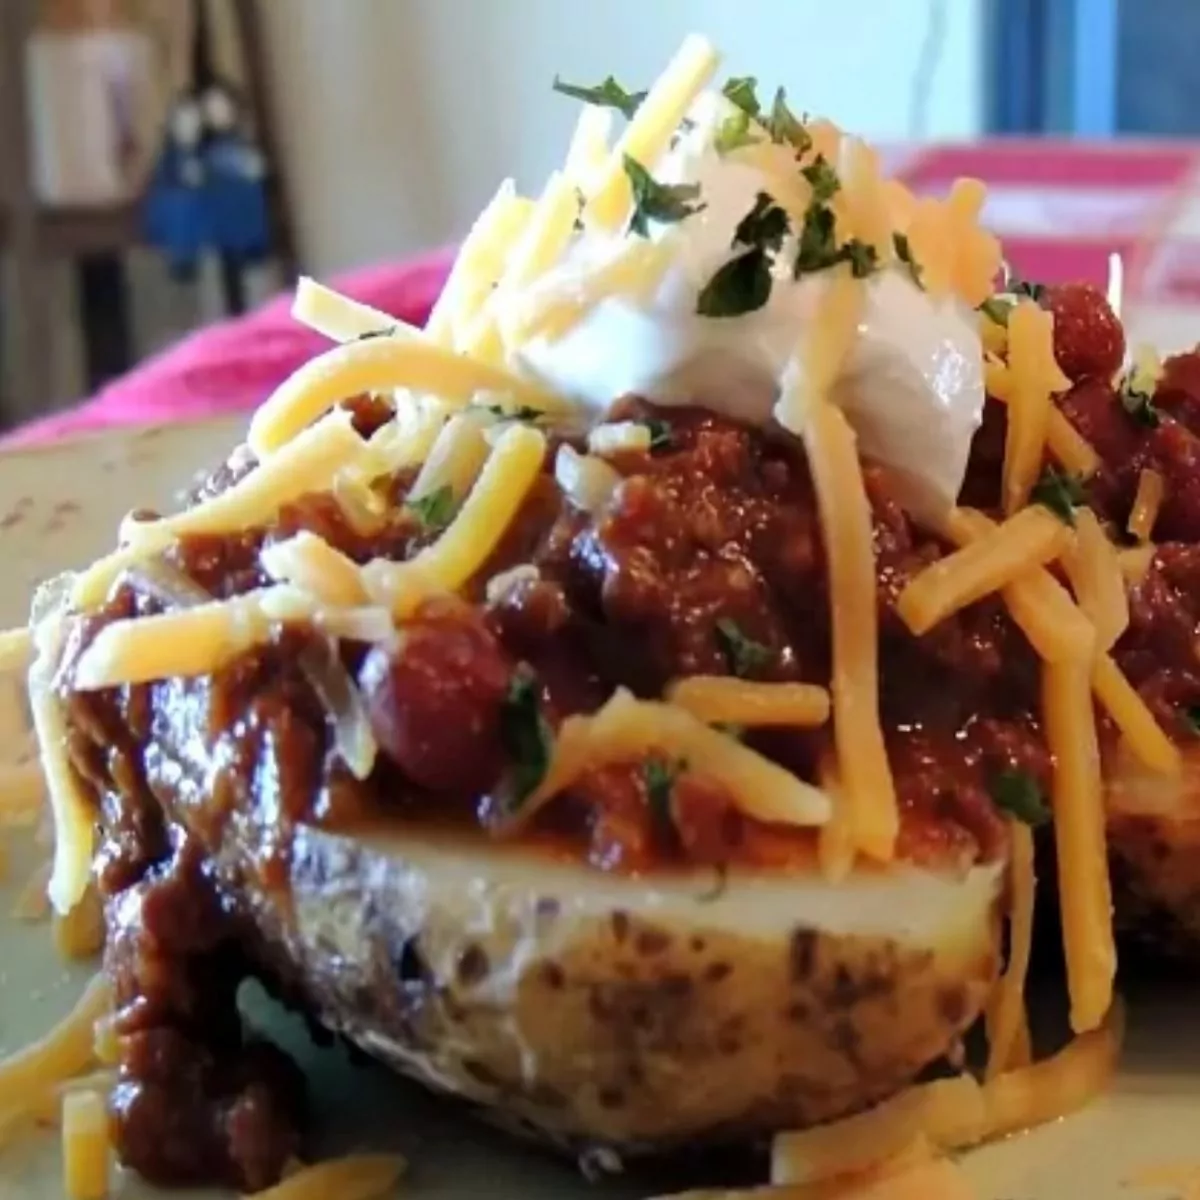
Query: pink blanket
{"points": [[234, 365]]}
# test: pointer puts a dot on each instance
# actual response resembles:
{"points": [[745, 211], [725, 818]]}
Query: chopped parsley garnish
{"points": [[904, 254], [733, 133], [1139, 404], [818, 247], [435, 509], [861, 256], [523, 412], [1018, 794], [742, 285], [390, 331], [784, 126], [1024, 288], [742, 92], [525, 733], [744, 655], [608, 94], [660, 435], [996, 310], [824, 179], [765, 225], [660, 777], [654, 201], [1060, 492]]}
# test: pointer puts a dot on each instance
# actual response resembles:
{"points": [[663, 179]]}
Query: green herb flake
{"points": [[435, 509], [1017, 793], [824, 179], [1139, 404], [1060, 492], [523, 412], [745, 656], [524, 733], [660, 777], [390, 331], [608, 94], [742, 92], [784, 126], [996, 310], [742, 285], [818, 247], [862, 258], [904, 253], [765, 225], [733, 133], [660, 435], [1024, 288], [654, 201]]}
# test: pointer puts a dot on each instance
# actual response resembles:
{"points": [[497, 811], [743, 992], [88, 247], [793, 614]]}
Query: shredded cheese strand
{"points": [[1005, 553], [1146, 504], [85, 1145], [312, 564], [1085, 893], [1094, 570], [376, 365], [1006, 1017], [1143, 734], [722, 700], [356, 1177], [341, 319]]}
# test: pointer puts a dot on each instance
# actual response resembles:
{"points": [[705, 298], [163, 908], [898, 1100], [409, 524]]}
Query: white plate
{"points": [[60, 507]]}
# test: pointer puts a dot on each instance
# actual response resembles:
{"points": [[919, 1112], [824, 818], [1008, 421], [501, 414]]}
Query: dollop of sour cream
{"points": [[912, 385]]}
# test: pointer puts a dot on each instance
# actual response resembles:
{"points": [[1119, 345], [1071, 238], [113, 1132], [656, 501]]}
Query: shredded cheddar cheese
{"points": [[626, 729], [1007, 1026], [356, 1177], [311, 563], [1034, 377], [722, 700], [341, 319], [1008, 552], [1146, 504], [1084, 890], [85, 1146], [1094, 570]]}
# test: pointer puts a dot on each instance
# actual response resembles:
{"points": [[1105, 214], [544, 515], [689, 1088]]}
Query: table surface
{"points": [[1061, 209]]}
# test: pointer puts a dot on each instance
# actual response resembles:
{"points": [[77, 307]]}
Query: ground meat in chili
{"points": [[714, 529]]}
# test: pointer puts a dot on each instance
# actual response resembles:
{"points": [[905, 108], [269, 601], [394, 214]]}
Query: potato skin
{"points": [[613, 1027]]}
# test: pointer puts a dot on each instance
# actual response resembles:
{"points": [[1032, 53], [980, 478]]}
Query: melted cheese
{"points": [[627, 729], [649, 132], [1034, 377], [1008, 552], [722, 700], [1085, 894]]}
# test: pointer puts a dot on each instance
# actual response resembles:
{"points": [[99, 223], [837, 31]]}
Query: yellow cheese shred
{"points": [[1035, 377], [355, 1177], [723, 700], [1007, 1026], [63, 1052], [1085, 894], [1143, 734], [627, 729], [1032, 538], [311, 563], [85, 1145], [511, 470], [1093, 567], [1146, 504], [956, 1113], [649, 132], [479, 263], [376, 365], [1042, 608], [339, 318], [455, 458]]}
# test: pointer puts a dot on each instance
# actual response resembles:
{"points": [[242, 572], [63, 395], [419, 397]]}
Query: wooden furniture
{"points": [[33, 234]]}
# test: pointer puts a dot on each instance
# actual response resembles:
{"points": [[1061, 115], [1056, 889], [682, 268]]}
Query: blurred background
{"points": [[166, 162]]}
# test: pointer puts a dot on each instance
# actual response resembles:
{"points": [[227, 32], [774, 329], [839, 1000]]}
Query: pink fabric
{"points": [[233, 365]]}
